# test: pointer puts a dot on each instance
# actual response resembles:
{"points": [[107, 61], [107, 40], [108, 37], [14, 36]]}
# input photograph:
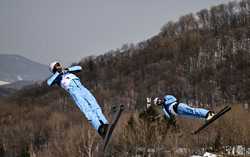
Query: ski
{"points": [[216, 116], [112, 126]]}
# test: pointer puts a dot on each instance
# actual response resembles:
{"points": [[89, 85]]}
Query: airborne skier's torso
{"points": [[66, 79]]}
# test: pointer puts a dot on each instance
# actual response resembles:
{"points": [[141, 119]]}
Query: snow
{"points": [[19, 78], [207, 154], [238, 150], [3, 83], [182, 150]]}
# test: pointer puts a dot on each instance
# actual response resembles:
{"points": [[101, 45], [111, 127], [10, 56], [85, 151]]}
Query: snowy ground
{"points": [[238, 150], [207, 155], [234, 151]]}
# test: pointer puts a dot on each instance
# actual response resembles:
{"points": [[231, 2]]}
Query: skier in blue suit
{"points": [[82, 97], [171, 108]]}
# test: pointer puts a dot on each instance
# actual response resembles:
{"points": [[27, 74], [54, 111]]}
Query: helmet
{"points": [[169, 99], [52, 65], [157, 101]]}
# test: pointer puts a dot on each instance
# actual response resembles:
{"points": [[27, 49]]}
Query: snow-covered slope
{"points": [[3, 83], [17, 68]]}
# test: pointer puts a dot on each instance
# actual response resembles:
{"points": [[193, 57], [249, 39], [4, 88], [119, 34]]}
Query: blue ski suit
{"points": [[172, 108], [80, 94]]}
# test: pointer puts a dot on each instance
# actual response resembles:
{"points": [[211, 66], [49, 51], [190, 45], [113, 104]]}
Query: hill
{"points": [[17, 68], [203, 58]]}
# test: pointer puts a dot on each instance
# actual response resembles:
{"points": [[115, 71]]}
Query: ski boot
{"points": [[102, 130], [209, 115]]}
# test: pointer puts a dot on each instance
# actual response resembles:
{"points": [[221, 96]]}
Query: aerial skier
{"points": [[82, 97], [171, 108]]}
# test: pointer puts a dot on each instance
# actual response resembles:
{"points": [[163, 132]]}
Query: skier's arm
{"points": [[171, 119], [166, 113], [74, 69], [52, 79]]}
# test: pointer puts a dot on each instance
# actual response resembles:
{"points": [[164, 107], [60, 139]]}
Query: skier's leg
{"points": [[95, 107], [187, 111], [93, 104], [86, 109]]}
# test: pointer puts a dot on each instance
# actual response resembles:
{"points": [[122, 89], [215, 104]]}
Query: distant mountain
{"points": [[17, 68]]}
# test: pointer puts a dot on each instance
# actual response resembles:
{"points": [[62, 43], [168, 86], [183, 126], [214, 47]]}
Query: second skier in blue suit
{"points": [[171, 107]]}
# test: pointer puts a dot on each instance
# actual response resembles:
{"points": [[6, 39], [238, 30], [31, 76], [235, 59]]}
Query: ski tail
{"points": [[112, 126]]}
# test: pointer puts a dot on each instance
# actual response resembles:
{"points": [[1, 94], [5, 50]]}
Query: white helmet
{"points": [[52, 65]]}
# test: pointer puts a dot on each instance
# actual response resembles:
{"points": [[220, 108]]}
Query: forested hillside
{"points": [[203, 58]]}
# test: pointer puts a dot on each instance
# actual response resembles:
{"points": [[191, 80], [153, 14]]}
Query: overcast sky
{"points": [[68, 30]]}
